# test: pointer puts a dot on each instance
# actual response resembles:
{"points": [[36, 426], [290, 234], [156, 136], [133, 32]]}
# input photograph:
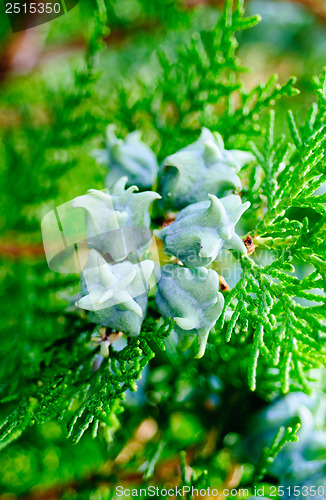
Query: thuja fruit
{"points": [[298, 463], [203, 167], [199, 180], [130, 157]]}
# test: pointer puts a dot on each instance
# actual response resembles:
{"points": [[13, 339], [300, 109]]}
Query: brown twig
{"points": [[15, 250], [223, 284], [248, 241]]}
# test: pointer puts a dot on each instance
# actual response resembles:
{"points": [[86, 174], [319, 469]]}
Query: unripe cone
{"points": [[201, 230], [192, 299], [198, 169]]}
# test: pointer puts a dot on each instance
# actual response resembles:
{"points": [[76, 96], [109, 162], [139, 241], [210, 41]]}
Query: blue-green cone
{"points": [[198, 169], [130, 157], [192, 299], [115, 295], [107, 213], [299, 463], [201, 230]]}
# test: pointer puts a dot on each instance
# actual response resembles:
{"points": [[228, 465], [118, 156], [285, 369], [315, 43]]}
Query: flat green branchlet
{"points": [[107, 213], [115, 295], [130, 157], [198, 169], [192, 299], [297, 463], [201, 230]]}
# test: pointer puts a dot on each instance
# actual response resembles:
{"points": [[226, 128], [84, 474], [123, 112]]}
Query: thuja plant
{"points": [[207, 252]]}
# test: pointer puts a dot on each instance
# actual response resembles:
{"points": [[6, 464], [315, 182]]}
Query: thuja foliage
{"points": [[236, 295]]}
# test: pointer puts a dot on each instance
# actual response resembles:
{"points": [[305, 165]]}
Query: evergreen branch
{"points": [[284, 436], [71, 378]]}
